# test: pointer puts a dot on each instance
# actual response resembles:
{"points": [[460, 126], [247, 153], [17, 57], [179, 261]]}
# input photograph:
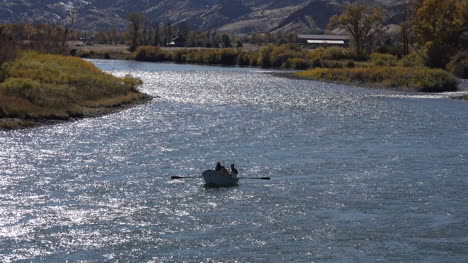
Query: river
{"points": [[357, 175]]}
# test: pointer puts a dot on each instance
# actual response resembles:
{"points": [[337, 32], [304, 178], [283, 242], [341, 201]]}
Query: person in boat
{"points": [[221, 169], [234, 171], [218, 167]]}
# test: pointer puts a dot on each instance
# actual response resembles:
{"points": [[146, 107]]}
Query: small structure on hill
{"points": [[314, 41], [178, 41]]}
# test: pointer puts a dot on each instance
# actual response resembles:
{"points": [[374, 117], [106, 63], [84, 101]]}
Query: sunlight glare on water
{"points": [[357, 175]]}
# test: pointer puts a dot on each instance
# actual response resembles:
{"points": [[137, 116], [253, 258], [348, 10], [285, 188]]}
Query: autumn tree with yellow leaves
{"points": [[438, 26], [360, 21]]}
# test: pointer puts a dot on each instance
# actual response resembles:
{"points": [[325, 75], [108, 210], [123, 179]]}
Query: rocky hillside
{"points": [[233, 16]]}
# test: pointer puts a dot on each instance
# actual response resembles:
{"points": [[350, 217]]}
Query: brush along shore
{"points": [[38, 89]]}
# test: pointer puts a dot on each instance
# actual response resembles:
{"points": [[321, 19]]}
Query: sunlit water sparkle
{"points": [[357, 175]]}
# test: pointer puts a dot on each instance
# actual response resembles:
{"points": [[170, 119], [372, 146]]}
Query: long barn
{"points": [[313, 41]]}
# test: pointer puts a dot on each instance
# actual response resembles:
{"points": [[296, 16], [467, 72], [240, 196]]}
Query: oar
{"points": [[181, 177], [258, 178]]}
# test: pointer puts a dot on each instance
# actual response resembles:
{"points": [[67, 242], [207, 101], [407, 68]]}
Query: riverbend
{"points": [[357, 175]]}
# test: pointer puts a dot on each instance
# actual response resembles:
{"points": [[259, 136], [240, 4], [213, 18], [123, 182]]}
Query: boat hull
{"points": [[218, 179]]}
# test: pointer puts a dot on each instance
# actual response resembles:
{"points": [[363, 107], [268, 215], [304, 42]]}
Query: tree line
{"points": [[143, 32], [433, 29]]}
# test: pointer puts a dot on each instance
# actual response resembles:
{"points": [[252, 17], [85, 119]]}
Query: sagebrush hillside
{"points": [[243, 16]]}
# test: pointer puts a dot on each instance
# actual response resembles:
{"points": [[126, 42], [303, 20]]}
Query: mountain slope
{"points": [[233, 16]]}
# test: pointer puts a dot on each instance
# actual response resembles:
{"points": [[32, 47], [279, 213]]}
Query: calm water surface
{"points": [[357, 175]]}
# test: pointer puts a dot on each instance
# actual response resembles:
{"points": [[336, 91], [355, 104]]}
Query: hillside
{"points": [[241, 16]]}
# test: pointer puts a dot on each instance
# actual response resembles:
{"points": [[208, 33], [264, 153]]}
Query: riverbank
{"points": [[370, 85], [333, 64], [395, 78], [101, 108], [38, 89]]}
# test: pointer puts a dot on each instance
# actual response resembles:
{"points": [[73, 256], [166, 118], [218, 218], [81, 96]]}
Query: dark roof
{"points": [[324, 37], [178, 38]]}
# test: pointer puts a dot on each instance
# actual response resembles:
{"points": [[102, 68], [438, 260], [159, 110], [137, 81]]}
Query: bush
{"points": [[279, 55], [438, 53], [378, 59], [412, 60], [151, 53], [180, 56], [458, 65], [253, 57], [227, 57], [335, 53], [244, 58], [263, 59], [296, 63]]}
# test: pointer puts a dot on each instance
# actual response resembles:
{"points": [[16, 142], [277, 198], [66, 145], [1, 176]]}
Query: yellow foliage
{"points": [[53, 86], [419, 79]]}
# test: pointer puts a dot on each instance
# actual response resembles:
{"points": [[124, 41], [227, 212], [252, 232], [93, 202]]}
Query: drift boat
{"points": [[215, 178]]}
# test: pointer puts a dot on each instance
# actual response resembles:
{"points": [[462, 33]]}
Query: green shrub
{"points": [[412, 60], [296, 63], [378, 59], [325, 63], [263, 59], [244, 58], [458, 65], [279, 55], [330, 53], [228, 56], [180, 56], [150, 53], [350, 64], [254, 57]]}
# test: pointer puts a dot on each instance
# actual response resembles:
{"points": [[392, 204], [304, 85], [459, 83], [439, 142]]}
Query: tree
{"points": [[438, 25], [226, 41], [360, 21], [156, 35], [135, 21], [7, 47], [69, 21], [168, 33]]}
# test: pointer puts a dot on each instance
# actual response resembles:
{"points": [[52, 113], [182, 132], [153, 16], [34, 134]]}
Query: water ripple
{"points": [[357, 175]]}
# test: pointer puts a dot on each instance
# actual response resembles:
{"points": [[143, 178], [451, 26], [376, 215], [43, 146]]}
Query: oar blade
{"points": [[256, 178], [183, 177]]}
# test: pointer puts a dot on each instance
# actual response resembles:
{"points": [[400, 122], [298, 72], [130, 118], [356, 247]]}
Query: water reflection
{"points": [[357, 174]]}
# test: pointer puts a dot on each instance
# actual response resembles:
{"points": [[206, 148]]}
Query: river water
{"points": [[358, 175]]}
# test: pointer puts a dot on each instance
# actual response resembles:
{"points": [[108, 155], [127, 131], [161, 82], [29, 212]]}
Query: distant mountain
{"points": [[233, 16]]}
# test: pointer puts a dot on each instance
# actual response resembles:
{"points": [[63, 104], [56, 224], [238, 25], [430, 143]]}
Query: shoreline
{"points": [[11, 124], [370, 85], [287, 74]]}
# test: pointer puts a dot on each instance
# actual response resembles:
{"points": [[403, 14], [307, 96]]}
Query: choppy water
{"points": [[357, 175]]}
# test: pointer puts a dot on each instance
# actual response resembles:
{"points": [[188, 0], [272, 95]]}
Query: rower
{"points": [[218, 167], [234, 170]]}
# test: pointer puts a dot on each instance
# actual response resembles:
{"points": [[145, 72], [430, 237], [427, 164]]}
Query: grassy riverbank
{"points": [[37, 88], [399, 78], [326, 64]]}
